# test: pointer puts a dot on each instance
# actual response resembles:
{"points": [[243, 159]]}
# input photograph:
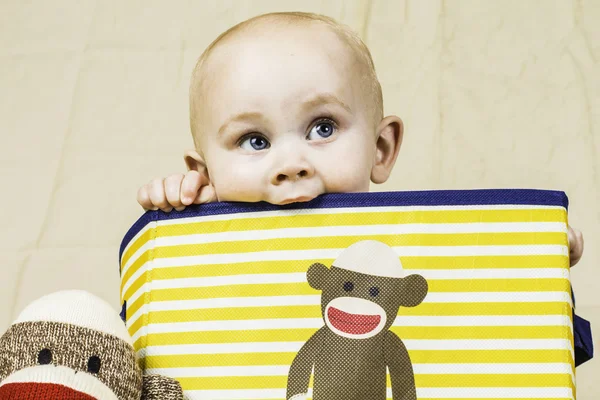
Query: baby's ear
{"points": [[158, 387], [194, 161], [389, 140], [206, 192]]}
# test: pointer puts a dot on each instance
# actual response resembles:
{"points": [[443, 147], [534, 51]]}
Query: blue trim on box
{"points": [[372, 199], [582, 340], [123, 313]]}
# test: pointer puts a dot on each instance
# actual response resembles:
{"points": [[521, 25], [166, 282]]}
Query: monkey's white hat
{"points": [[371, 257], [76, 307]]}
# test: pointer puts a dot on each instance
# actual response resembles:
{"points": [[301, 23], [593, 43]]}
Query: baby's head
{"points": [[285, 107]]}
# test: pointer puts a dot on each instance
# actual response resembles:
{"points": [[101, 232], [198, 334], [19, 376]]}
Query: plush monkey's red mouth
{"points": [[355, 324], [40, 391]]}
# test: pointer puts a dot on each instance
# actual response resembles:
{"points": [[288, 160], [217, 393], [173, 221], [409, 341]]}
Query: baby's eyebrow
{"points": [[240, 117], [325, 98]]}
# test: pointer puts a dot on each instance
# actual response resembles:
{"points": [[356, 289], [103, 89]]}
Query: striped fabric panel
{"points": [[221, 302]]}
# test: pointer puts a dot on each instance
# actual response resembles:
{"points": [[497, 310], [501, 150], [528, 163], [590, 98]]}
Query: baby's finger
{"points": [[207, 195], [158, 196], [575, 246], [190, 187], [143, 198], [173, 189]]}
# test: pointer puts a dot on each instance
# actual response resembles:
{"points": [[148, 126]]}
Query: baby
{"points": [[285, 107]]}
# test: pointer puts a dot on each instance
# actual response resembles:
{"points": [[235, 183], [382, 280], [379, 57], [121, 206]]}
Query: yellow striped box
{"points": [[218, 297]]}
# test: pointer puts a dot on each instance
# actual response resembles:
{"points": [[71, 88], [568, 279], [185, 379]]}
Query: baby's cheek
{"points": [[351, 175], [345, 180], [238, 184]]}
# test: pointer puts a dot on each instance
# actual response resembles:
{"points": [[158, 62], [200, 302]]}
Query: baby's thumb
{"points": [[206, 195]]}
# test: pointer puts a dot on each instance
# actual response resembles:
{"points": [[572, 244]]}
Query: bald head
{"points": [[358, 64]]}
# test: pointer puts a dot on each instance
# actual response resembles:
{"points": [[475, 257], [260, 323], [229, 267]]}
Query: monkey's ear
{"points": [[413, 290], [317, 275], [158, 387]]}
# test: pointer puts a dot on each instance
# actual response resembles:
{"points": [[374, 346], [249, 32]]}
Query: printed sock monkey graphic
{"points": [[361, 295]]}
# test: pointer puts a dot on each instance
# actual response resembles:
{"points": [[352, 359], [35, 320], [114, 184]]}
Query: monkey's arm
{"points": [[400, 366], [301, 369], [158, 387], [4, 368]]}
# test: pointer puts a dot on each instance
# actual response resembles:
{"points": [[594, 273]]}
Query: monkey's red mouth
{"points": [[40, 391], [355, 324]]}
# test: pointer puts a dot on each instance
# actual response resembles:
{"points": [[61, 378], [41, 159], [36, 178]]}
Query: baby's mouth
{"points": [[299, 199]]}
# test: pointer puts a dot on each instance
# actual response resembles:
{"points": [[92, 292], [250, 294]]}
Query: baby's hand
{"points": [[575, 245], [176, 191]]}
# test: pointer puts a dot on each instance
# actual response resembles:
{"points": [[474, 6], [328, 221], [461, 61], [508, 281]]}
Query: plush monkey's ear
{"points": [[158, 387], [317, 275], [413, 290]]}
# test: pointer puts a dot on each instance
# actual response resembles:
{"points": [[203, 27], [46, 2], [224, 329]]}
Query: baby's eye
{"points": [[254, 142], [321, 130]]}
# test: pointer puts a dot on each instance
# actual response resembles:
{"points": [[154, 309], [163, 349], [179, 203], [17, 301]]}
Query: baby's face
{"points": [[284, 118]]}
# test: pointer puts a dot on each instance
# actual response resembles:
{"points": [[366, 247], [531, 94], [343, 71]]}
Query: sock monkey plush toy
{"points": [[72, 345]]}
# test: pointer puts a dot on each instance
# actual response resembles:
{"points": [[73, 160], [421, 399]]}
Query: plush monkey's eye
{"points": [[374, 291], [94, 364], [44, 357], [348, 286]]}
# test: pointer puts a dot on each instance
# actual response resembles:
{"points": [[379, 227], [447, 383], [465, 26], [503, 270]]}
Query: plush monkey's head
{"points": [[71, 345], [364, 288]]}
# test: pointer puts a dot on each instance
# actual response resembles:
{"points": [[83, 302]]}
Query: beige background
{"points": [[93, 103]]}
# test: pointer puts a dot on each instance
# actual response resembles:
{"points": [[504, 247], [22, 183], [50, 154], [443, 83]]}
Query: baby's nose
{"points": [[292, 171]]}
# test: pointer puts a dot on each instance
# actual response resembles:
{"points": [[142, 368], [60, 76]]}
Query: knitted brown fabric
{"points": [[157, 387], [71, 346]]}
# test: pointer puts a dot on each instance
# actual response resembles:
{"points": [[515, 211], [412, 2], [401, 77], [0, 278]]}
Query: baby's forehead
{"points": [[294, 50], [288, 71], [317, 49]]}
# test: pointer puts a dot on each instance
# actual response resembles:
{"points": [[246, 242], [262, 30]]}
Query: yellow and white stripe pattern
{"points": [[222, 304]]}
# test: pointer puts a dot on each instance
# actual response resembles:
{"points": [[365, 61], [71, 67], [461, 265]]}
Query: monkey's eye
{"points": [[374, 291], [44, 357], [348, 286], [94, 364]]}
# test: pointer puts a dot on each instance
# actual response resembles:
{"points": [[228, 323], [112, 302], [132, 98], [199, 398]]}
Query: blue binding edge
{"points": [[369, 199]]}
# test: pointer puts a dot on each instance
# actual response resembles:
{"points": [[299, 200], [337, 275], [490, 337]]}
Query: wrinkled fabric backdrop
{"points": [[93, 103]]}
